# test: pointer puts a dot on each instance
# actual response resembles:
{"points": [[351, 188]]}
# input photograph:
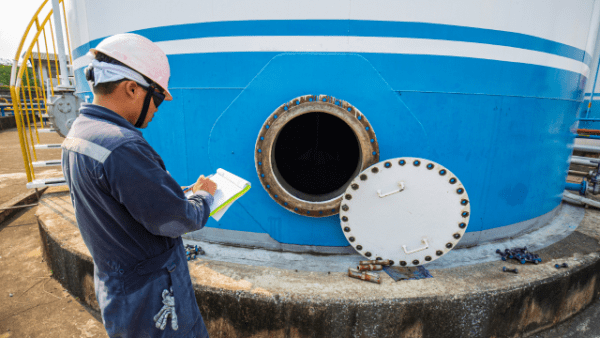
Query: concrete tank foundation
{"points": [[247, 292]]}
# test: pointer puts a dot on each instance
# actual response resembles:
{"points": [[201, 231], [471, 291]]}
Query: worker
{"points": [[131, 213]]}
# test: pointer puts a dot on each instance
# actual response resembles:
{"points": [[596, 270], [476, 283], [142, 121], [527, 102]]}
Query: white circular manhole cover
{"points": [[409, 210]]}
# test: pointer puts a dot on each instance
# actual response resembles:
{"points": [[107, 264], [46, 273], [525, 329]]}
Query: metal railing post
{"points": [[60, 42], [587, 112]]}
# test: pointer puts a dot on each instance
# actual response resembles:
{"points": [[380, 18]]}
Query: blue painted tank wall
{"points": [[501, 127]]}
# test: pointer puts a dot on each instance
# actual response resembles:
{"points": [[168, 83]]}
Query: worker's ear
{"points": [[131, 89]]}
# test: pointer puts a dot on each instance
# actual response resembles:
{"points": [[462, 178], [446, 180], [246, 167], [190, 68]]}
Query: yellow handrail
{"points": [[27, 93], [34, 19]]}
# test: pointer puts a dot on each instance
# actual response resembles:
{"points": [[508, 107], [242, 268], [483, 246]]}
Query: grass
{"points": [[5, 76]]}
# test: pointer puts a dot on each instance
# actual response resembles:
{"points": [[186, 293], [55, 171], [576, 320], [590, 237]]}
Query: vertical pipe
{"points": [[587, 112], [19, 121], [67, 30], [50, 84], [37, 91], [60, 42], [28, 122], [54, 49], [42, 86], [37, 135], [25, 135], [592, 40]]}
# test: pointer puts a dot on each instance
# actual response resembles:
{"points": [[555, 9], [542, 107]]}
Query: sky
{"points": [[14, 18]]}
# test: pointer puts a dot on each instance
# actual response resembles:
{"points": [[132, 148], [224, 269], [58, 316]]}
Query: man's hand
{"points": [[205, 184]]}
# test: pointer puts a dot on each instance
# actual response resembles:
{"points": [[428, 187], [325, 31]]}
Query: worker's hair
{"points": [[107, 88]]}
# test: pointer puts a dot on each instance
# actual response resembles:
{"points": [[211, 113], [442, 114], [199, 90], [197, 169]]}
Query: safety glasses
{"points": [[158, 98]]}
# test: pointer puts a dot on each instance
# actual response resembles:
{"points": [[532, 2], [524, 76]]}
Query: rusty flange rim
{"points": [[267, 136]]}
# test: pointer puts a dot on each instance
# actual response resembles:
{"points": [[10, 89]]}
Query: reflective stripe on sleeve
{"points": [[87, 148]]}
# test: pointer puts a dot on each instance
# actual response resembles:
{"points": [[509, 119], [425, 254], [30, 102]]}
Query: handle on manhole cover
{"points": [[400, 184], [424, 240]]}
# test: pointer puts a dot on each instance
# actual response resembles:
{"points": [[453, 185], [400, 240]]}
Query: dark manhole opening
{"points": [[315, 156]]}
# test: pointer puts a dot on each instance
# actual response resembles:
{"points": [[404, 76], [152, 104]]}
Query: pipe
{"points": [[567, 196], [587, 112], [588, 131], [584, 161], [593, 137], [585, 148], [60, 42], [581, 173], [591, 43], [579, 187]]}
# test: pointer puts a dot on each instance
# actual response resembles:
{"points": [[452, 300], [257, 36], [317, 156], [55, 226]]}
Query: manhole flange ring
{"points": [[263, 154]]}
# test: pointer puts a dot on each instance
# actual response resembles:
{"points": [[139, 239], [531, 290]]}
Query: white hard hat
{"points": [[141, 55]]}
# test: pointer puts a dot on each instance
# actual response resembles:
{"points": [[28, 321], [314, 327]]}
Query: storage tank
{"points": [[300, 97]]}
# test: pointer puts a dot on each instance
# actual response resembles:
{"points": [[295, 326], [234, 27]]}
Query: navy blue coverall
{"points": [[131, 214]]}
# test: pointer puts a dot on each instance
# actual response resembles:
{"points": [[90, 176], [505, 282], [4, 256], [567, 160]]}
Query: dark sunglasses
{"points": [[157, 97]]}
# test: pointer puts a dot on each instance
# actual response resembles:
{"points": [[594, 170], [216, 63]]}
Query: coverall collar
{"points": [[108, 115]]}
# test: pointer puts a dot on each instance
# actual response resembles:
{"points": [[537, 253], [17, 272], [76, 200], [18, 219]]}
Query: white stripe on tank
{"points": [[354, 44]]}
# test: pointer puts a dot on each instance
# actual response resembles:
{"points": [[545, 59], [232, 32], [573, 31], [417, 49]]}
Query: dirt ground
{"points": [[39, 306], [32, 303], [12, 168]]}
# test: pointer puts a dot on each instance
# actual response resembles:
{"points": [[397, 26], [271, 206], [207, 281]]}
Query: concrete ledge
{"points": [[7, 122], [478, 300], [7, 209]]}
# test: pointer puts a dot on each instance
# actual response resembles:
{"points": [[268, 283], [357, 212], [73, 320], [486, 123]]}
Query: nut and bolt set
{"points": [[520, 254], [563, 265], [191, 251], [523, 256]]}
